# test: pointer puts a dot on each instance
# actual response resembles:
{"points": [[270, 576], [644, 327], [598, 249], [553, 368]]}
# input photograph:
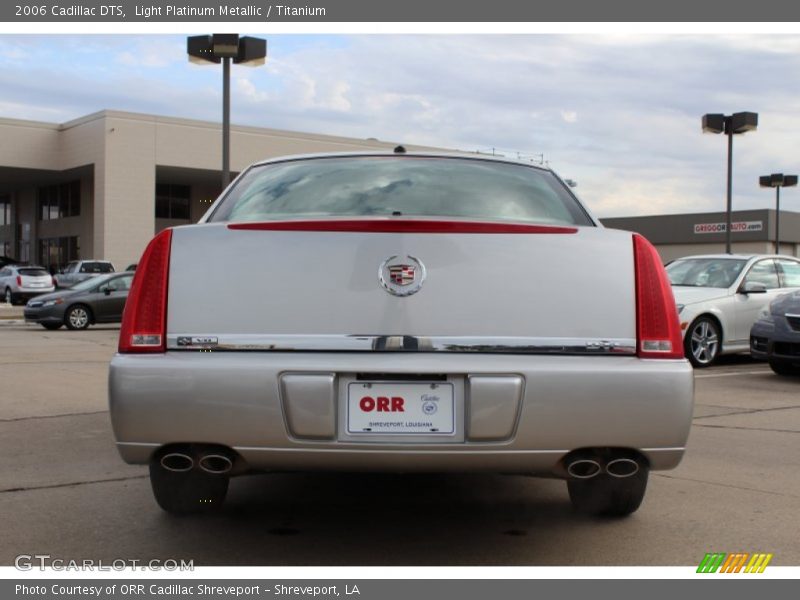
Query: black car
{"points": [[7, 260], [96, 300], [775, 336]]}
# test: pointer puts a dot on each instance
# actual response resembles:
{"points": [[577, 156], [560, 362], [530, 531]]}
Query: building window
{"points": [[56, 252], [5, 210], [59, 201], [172, 201]]}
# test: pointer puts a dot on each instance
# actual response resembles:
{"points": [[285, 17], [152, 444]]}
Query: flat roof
{"points": [[755, 225]]}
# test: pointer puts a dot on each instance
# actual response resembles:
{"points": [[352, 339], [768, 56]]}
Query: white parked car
{"points": [[719, 297], [400, 312], [19, 283]]}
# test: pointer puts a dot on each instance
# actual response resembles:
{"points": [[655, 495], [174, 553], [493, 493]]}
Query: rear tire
{"points": [[703, 342], [784, 368], [187, 492], [604, 495], [51, 326], [78, 317]]}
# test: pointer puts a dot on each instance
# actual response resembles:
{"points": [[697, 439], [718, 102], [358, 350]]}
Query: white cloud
{"points": [[569, 116], [151, 52], [620, 114], [248, 89], [13, 54]]}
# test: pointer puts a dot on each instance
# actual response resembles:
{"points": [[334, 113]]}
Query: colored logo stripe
{"points": [[711, 562], [734, 563], [758, 563]]}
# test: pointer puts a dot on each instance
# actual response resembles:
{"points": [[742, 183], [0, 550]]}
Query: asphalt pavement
{"points": [[65, 492]]}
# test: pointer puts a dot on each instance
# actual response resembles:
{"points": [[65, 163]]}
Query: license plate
{"points": [[398, 407]]}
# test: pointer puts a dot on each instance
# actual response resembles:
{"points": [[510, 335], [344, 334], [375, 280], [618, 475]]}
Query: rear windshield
{"points": [[97, 267], [402, 186], [34, 273]]}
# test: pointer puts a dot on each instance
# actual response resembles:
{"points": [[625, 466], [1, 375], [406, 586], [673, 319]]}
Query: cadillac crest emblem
{"points": [[401, 275]]}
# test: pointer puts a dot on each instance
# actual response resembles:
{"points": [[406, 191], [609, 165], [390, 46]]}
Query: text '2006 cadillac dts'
{"points": [[400, 312]]}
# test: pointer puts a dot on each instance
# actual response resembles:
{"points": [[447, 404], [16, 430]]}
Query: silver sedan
{"points": [[401, 312], [719, 297]]}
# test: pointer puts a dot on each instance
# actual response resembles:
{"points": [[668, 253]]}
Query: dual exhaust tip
{"points": [[615, 464], [214, 462]]}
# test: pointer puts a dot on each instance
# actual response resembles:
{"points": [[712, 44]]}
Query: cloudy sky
{"points": [[618, 114]]}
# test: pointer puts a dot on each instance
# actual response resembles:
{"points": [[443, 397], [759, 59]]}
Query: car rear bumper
{"points": [[252, 402], [28, 293]]}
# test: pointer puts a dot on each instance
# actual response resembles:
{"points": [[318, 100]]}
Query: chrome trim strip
{"points": [[350, 449], [400, 343]]}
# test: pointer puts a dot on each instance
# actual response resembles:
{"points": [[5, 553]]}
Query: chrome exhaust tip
{"points": [[216, 464], [622, 467], [177, 462], [584, 468]]}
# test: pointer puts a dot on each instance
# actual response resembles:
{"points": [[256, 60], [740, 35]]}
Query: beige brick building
{"points": [[102, 185]]}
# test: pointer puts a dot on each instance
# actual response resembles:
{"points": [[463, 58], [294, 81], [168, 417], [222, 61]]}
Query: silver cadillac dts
{"points": [[400, 312]]}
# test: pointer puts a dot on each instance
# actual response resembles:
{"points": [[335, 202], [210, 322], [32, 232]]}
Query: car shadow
{"points": [[386, 519]]}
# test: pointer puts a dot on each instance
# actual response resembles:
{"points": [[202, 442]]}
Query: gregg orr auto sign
{"points": [[739, 226]]}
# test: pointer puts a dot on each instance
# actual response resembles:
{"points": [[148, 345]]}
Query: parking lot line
{"points": [[731, 374]]}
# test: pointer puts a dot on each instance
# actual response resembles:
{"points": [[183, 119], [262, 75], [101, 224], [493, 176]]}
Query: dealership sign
{"points": [[739, 226]]}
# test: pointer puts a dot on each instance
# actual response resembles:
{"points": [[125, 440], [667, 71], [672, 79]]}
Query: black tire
{"points": [[8, 297], [703, 342], [78, 316], [604, 495], [187, 492], [51, 326], [784, 368]]}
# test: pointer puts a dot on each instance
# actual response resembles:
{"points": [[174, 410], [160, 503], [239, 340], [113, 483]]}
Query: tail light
{"points": [[19, 281], [52, 281], [658, 334], [144, 321]]}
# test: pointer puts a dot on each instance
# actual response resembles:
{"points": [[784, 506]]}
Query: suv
{"points": [[21, 282], [81, 270]]}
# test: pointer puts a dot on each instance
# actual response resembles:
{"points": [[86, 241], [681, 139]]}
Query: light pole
{"points": [[741, 122], [777, 180], [224, 47]]}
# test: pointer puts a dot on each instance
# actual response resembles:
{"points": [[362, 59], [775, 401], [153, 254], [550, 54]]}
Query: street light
{"points": [[224, 47], [777, 180], [741, 122]]}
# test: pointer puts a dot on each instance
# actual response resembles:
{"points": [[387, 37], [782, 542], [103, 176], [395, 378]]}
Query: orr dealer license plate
{"points": [[399, 407]]}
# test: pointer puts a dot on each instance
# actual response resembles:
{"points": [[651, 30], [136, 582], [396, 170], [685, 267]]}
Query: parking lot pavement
{"points": [[65, 492]]}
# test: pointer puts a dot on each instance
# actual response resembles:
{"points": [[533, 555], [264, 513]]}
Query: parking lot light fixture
{"points": [[777, 181], [737, 123], [224, 48]]}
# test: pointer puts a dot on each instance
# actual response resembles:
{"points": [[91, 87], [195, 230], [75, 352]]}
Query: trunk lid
{"points": [[283, 289]]}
